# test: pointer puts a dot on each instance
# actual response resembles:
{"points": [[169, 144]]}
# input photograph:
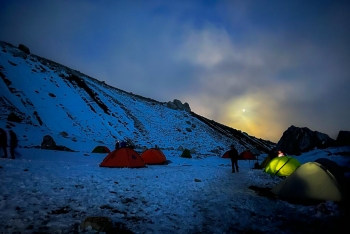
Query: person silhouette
{"points": [[13, 143], [3, 142], [233, 153]]}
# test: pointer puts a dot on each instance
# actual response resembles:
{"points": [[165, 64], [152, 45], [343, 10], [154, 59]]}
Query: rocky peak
{"points": [[177, 105], [296, 140]]}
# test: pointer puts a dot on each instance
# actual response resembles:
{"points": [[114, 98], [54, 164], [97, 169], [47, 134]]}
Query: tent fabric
{"points": [[153, 156], [334, 168], [267, 160], [282, 166], [123, 157], [247, 155], [226, 154], [186, 154], [101, 149], [311, 181]]}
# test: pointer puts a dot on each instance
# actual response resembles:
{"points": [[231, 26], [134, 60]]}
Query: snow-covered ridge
{"points": [[53, 99]]}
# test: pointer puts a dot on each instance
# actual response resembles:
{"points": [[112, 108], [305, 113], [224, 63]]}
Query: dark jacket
{"points": [[233, 153], [3, 138], [13, 139]]}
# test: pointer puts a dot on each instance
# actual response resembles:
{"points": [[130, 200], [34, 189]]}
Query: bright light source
{"points": [[243, 110]]}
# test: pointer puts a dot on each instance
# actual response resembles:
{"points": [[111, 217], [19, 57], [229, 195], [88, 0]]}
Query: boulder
{"points": [[186, 107], [24, 48], [295, 140], [171, 105], [48, 143], [177, 105], [343, 138], [98, 223]]}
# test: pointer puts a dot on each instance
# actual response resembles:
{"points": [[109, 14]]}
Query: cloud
{"points": [[285, 63]]}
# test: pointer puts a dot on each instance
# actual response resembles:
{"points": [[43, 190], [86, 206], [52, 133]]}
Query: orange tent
{"points": [[123, 157], [153, 156], [247, 155], [226, 155]]}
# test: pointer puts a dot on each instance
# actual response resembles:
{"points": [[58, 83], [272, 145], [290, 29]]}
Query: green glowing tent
{"points": [[282, 166]]}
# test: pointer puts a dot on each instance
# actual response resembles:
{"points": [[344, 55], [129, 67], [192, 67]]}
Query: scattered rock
{"points": [[98, 223], [12, 117], [343, 138], [177, 105], [24, 48], [48, 143], [64, 134]]}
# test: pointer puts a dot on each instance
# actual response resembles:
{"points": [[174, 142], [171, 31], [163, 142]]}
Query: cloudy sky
{"points": [[259, 66]]}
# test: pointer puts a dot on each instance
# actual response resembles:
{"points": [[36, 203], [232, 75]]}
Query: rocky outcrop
{"points": [[297, 140], [98, 223], [343, 138], [177, 105], [48, 143], [24, 48]]}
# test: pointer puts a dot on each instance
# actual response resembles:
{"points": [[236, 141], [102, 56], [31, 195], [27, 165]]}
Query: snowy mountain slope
{"points": [[43, 97]]}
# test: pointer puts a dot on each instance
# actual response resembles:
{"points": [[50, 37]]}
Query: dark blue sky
{"points": [[283, 62]]}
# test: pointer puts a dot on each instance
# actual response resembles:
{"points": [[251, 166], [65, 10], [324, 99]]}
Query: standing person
{"points": [[3, 141], [233, 153], [13, 143], [117, 145]]}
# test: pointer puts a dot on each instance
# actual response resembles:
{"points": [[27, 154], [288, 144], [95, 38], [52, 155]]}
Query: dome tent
{"points": [[101, 149], [272, 154], [123, 157], [226, 155], [153, 156], [186, 154], [247, 155], [282, 166], [311, 181]]}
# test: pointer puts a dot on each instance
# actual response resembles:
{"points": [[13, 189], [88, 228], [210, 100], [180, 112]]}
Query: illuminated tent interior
{"points": [[310, 181], [282, 166]]}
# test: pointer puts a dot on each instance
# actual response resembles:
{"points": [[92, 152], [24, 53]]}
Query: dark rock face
{"points": [[48, 143], [24, 48], [343, 138], [298, 140]]}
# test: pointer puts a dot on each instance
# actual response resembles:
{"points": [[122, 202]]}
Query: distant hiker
{"points": [[233, 153], [13, 143], [156, 146], [123, 144], [117, 145], [3, 141]]}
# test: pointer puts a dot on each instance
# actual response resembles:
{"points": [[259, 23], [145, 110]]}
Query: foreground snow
{"points": [[53, 192]]}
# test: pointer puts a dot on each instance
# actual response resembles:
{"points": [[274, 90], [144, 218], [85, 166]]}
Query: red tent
{"points": [[153, 156], [226, 155], [247, 155], [123, 157]]}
